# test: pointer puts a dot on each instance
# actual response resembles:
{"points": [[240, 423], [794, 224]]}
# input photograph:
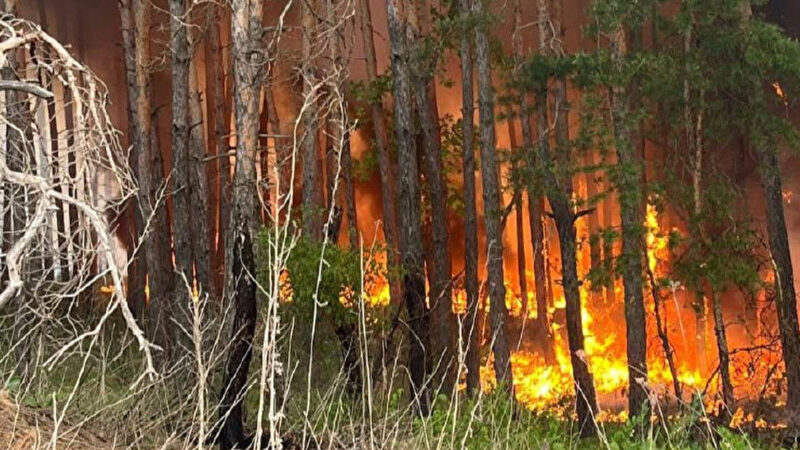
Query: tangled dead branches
{"points": [[65, 179]]}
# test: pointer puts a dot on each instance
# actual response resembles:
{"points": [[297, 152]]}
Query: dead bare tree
{"points": [[92, 143]]}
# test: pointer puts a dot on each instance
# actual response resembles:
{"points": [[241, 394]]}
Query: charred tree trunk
{"points": [[161, 232], [157, 250], [628, 177], [409, 207], [786, 300], [137, 274], [441, 354], [198, 184], [470, 335], [181, 189], [780, 252], [216, 73], [246, 31], [491, 202]]}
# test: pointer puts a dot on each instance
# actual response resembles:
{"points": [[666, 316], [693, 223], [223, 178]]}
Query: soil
{"points": [[23, 428]]}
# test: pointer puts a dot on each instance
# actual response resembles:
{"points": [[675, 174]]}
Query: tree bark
{"points": [[409, 207], [724, 356], [181, 189], [246, 31], [628, 179], [156, 248], [216, 72], [470, 335], [559, 192], [388, 188], [535, 205], [519, 222], [694, 146], [492, 202], [137, 274], [786, 300], [440, 292], [198, 184], [313, 197]]}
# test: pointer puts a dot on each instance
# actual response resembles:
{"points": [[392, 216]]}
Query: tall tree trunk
{"points": [[442, 355], [156, 248], [216, 73], [519, 226], [724, 356], [198, 183], [137, 274], [695, 149], [559, 193], [628, 177], [409, 206], [491, 203], [181, 189], [162, 230], [313, 197], [388, 187], [786, 300], [540, 269], [535, 204], [240, 289], [470, 336]]}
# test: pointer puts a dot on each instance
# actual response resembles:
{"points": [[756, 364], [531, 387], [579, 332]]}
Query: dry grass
{"points": [[23, 427]]}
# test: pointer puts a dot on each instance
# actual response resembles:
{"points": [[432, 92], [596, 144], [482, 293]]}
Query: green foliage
{"points": [[323, 275], [371, 91]]}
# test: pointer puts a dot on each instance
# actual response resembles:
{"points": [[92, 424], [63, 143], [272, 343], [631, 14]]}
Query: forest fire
{"points": [[543, 387], [586, 206]]}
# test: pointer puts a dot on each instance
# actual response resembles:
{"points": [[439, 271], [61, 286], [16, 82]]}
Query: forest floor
{"points": [[23, 427]]}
